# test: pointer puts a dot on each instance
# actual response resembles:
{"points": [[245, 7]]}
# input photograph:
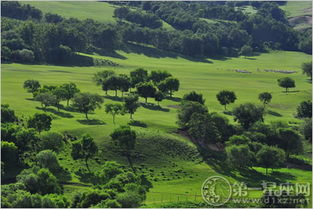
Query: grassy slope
{"points": [[297, 8], [82, 9], [206, 76]]}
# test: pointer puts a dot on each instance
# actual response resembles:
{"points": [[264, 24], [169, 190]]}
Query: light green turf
{"points": [[205, 76], [297, 8], [100, 11]]}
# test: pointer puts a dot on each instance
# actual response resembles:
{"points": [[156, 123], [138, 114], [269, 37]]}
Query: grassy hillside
{"points": [[100, 11], [297, 8]]}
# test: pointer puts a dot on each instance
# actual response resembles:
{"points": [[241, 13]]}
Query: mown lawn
{"points": [[207, 76]]}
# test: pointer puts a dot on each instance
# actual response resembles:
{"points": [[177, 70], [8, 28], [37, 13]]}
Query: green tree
{"points": [[48, 159], [159, 96], [70, 89], [304, 109], [86, 102], [111, 83], [238, 140], [146, 90], [239, 156], [85, 148], [114, 109], [226, 97], [169, 85], [7, 114], [247, 114], [265, 97], [186, 110], [290, 141], [124, 83], [307, 69], [46, 99], [270, 157], [195, 97], [126, 140], [31, 85], [131, 104], [51, 140], [306, 129], [60, 94], [40, 122], [286, 83], [158, 76], [101, 76], [9, 154], [137, 76], [246, 50]]}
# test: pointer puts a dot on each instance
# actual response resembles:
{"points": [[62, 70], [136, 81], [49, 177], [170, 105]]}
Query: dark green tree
{"points": [[114, 109], [226, 97], [239, 156], [304, 109], [131, 104], [31, 85], [270, 157], [40, 122], [286, 83], [169, 85], [101, 76], [265, 97], [86, 102], [146, 90], [290, 141], [46, 99], [7, 114], [307, 69], [247, 114], [85, 148], [186, 110], [70, 89], [306, 129], [126, 140], [159, 96], [158, 76], [195, 97], [137, 76]]}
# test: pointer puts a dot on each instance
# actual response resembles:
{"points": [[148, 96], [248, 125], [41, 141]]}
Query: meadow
{"points": [[172, 171]]}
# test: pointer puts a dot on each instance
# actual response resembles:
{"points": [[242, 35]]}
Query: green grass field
{"points": [[297, 8], [207, 76]]}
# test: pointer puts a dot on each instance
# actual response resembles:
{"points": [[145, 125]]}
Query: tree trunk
{"points": [[116, 93], [130, 162], [68, 101], [266, 170], [286, 90], [122, 93], [86, 162], [146, 99], [113, 119], [171, 94], [158, 103], [106, 92], [131, 116], [225, 107], [86, 114]]}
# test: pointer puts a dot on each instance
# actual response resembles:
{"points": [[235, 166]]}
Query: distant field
{"points": [[297, 8], [100, 11]]}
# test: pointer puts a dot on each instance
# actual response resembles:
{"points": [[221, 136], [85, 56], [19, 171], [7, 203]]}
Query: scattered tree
{"points": [[304, 110], [306, 129], [126, 140], [31, 85], [186, 110], [114, 109], [195, 97], [226, 97], [270, 157], [137, 76], [265, 97], [51, 140], [7, 114], [9, 154], [307, 69], [46, 99], [131, 104], [158, 76], [70, 89], [60, 94], [85, 148], [246, 50], [101, 76], [239, 156], [290, 141], [159, 96], [86, 102], [286, 83], [247, 114], [124, 83], [169, 85], [146, 90], [40, 122]]}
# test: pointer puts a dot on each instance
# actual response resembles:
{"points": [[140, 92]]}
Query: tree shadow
{"points": [[228, 112], [30, 99], [137, 123], [151, 106], [274, 113], [58, 113], [113, 54], [294, 91], [114, 98], [91, 122], [250, 58], [175, 99]]}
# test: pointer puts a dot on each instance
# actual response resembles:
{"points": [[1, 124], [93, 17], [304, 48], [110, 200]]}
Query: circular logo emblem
{"points": [[216, 190]]}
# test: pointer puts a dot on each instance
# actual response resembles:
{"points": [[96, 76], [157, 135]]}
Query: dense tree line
{"points": [[53, 39]]}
